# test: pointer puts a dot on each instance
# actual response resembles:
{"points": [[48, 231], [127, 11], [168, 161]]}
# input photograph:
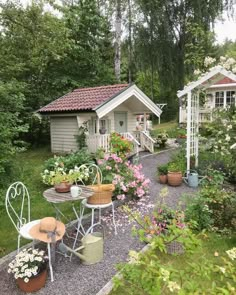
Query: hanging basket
{"points": [[102, 193]]}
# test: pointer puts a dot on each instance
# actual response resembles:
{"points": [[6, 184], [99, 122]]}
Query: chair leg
{"points": [[50, 262], [92, 220], [113, 217], [18, 244]]}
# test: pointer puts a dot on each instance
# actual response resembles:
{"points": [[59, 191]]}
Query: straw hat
{"points": [[49, 230]]}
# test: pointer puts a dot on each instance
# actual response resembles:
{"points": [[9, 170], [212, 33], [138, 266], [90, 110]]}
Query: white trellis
{"points": [[192, 91], [192, 127]]}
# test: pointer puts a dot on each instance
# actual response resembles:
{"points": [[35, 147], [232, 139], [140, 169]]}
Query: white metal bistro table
{"points": [[55, 198]]}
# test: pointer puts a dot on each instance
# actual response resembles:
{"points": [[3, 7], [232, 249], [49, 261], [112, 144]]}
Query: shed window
{"points": [[230, 98], [219, 99]]}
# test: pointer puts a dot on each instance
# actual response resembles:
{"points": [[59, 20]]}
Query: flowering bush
{"points": [[120, 145], [127, 178], [27, 264], [59, 175]]}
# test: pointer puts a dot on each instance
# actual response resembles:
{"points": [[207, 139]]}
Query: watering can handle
{"points": [[92, 226]]}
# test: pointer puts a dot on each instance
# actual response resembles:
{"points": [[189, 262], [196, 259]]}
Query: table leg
{"points": [[50, 262]]}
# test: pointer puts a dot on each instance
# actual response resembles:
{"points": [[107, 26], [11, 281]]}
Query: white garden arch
{"points": [[192, 91]]}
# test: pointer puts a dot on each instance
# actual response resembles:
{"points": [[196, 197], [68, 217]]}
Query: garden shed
{"points": [[191, 93], [102, 110]]}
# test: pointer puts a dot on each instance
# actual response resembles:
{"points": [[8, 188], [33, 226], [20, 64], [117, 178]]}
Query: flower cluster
{"points": [[127, 178], [60, 174], [27, 264]]}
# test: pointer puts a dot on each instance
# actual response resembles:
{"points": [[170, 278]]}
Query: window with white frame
{"points": [[230, 98], [219, 99]]}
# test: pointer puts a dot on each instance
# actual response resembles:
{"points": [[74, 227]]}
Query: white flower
{"points": [[26, 280], [197, 72], [9, 270], [165, 274], [208, 61], [232, 253], [173, 286], [222, 59], [227, 137], [16, 276], [222, 269]]}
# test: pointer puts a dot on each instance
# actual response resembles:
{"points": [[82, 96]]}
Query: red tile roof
{"points": [[225, 80], [84, 98]]}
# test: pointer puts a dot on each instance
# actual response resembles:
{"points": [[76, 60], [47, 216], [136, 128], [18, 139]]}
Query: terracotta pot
{"points": [[174, 178], [62, 187], [163, 179], [35, 283]]}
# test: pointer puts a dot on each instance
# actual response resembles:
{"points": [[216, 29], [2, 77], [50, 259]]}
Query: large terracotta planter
{"points": [[163, 179], [62, 187], [35, 283], [174, 178]]}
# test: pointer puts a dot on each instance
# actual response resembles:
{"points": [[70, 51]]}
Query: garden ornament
{"points": [[49, 230], [192, 179], [92, 247]]}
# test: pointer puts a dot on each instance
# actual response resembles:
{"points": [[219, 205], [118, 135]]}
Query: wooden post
{"points": [[98, 125], [144, 122]]}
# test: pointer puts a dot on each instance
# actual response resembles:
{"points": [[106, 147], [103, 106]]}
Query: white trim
{"points": [[229, 85], [219, 71], [188, 130], [122, 97]]}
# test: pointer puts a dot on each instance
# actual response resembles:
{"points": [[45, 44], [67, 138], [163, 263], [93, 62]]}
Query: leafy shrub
{"points": [[120, 145], [127, 178], [162, 169], [69, 161]]}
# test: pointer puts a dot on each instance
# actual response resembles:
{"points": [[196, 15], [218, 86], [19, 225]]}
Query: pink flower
{"points": [[121, 197], [100, 162], [108, 167]]}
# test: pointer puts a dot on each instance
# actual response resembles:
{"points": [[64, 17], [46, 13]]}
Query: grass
{"points": [[171, 128], [210, 244], [28, 165]]}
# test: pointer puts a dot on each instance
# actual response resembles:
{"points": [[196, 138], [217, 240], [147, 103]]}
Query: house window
{"points": [[103, 124], [230, 98], [219, 99]]}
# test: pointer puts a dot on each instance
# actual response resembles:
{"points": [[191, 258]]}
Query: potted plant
{"points": [[175, 173], [29, 269], [61, 179], [162, 171]]}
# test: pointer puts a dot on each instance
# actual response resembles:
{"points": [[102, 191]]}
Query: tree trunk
{"points": [[130, 40], [118, 40]]}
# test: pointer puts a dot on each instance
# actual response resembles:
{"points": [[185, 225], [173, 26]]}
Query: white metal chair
{"points": [[20, 213]]}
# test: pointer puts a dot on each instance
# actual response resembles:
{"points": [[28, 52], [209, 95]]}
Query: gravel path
{"points": [[73, 278]]}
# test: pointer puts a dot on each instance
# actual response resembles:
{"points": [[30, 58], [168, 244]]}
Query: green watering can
{"points": [[92, 247], [192, 179]]}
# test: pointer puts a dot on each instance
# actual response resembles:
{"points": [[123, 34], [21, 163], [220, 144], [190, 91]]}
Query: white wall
{"points": [[63, 131]]}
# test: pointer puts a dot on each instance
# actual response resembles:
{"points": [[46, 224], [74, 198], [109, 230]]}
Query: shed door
{"points": [[120, 122]]}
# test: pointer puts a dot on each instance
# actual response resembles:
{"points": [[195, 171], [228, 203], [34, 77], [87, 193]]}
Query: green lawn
{"points": [[28, 168], [171, 128], [211, 244]]}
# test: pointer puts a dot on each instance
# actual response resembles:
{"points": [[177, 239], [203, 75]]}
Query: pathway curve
{"points": [[73, 278]]}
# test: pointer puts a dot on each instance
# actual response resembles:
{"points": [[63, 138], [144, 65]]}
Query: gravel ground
{"points": [[73, 278]]}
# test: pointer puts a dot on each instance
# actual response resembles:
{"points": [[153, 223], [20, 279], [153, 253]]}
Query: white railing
{"points": [[97, 141], [147, 142], [135, 142], [205, 115]]}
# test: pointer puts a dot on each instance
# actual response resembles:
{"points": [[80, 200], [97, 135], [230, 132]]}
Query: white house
{"points": [[214, 82], [103, 109], [219, 95]]}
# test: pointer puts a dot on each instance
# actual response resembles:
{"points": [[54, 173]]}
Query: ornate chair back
{"points": [[93, 173], [17, 204]]}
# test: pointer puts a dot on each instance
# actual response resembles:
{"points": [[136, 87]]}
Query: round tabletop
{"points": [[54, 197]]}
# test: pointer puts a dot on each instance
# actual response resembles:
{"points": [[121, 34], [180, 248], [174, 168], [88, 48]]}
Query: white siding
{"points": [[63, 131]]}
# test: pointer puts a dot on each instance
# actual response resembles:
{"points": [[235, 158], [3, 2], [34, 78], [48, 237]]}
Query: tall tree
{"points": [[118, 32]]}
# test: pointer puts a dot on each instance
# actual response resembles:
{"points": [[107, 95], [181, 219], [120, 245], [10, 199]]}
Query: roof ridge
{"points": [[100, 87]]}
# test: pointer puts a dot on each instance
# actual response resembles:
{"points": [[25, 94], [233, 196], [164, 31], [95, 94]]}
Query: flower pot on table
{"points": [[62, 187]]}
